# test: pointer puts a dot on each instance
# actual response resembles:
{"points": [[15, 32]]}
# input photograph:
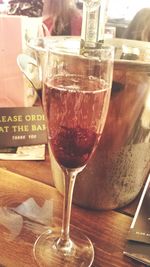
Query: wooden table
{"points": [[24, 188]]}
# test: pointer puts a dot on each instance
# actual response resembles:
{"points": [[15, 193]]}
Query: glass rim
{"points": [[97, 56]]}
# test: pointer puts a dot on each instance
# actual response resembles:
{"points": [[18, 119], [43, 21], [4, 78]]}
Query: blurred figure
{"points": [[139, 27], [62, 17]]}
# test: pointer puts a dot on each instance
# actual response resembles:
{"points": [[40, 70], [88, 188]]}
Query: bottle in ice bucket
{"points": [[93, 24], [118, 169]]}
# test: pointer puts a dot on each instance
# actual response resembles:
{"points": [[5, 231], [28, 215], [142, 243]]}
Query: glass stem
{"points": [[64, 243], [70, 178]]}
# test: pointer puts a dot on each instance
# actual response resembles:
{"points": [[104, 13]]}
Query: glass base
{"points": [[79, 252]]}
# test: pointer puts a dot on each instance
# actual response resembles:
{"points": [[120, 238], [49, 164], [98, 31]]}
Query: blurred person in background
{"points": [[139, 27], [62, 17]]}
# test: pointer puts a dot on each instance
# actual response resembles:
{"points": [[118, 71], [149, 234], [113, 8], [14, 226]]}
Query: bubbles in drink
{"points": [[75, 116]]}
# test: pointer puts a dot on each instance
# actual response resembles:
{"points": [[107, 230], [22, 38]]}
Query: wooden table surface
{"points": [[29, 204]]}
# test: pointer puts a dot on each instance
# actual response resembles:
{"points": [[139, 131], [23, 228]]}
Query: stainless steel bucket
{"points": [[118, 170]]}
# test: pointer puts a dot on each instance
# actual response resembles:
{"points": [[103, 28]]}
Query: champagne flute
{"points": [[76, 96]]}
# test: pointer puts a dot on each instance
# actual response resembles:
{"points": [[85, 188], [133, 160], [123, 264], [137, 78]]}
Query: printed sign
{"points": [[21, 126]]}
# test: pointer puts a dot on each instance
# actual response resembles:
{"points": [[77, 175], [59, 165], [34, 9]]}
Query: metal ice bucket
{"points": [[118, 169]]}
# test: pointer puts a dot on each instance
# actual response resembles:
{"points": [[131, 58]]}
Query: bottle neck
{"points": [[93, 24]]}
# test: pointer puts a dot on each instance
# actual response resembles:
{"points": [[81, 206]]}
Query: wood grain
{"points": [[37, 170], [19, 228]]}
